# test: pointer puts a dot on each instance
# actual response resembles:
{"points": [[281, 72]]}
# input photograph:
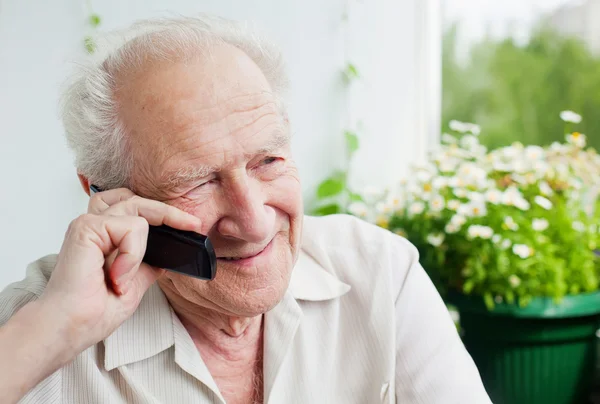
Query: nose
{"points": [[247, 216]]}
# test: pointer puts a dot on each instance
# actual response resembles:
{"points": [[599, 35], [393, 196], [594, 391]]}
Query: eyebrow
{"points": [[186, 175]]}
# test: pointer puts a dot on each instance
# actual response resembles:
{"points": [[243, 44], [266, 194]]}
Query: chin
{"points": [[258, 302]]}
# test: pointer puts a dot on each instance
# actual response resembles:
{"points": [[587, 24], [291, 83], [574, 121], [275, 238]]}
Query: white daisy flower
{"points": [[570, 116], [416, 208], [439, 182], [464, 127], [383, 208], [395, 201], [506, 243], [534, 153], [522, 250], [577, 139], [545, 189], [469, 142], [457, 126], [453, 204], [460, 192], [514, 281], [359, 209], [458, 220], [452, 228], [456, 182], [521, 203], [493, 196], [510, 224], [510, 196], [540, 224], [435, 239], [473, 209], [543, 202], [437, 203], [371, 193], [448, 138], [477, 231]]}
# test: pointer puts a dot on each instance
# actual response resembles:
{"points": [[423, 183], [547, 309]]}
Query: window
{"points": [[513, 66]]}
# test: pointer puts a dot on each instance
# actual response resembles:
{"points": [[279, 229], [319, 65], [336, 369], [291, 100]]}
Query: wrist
{"points": [[42, 324], [32, 347]]}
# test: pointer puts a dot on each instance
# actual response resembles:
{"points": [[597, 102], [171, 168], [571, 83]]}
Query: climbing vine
{"points": [[334, 193], [93, 22]]}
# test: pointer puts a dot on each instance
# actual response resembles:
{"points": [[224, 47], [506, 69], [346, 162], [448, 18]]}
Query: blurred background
{"points": [[512, 66]]}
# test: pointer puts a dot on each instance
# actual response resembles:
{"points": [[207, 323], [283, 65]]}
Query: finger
{"points": [[131, 245], [144, 277], [156, 213], [101, 201]]}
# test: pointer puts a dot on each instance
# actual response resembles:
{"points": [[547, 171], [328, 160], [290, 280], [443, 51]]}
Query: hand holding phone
{"points": [[180, 251]]}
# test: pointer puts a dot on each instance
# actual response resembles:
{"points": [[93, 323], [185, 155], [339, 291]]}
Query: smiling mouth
{"points": [[244, 256]]}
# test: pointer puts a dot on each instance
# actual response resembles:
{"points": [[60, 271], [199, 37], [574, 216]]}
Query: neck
{"points": [[230, 346]]}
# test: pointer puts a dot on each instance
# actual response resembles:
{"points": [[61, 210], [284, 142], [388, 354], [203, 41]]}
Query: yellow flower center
{"points": [[382, 222]]}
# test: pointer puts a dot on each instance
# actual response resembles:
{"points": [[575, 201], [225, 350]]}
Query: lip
{"points": [[248, 261]]}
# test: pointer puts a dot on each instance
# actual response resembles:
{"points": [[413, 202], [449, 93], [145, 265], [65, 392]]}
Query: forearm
{"points": [[32, 347]]}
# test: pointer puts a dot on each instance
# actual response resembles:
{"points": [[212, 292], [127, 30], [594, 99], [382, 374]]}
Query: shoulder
{"points": [[355, 250], [18, 294]]}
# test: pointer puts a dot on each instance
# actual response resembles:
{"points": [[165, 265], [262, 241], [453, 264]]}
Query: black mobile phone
{"points": [[180, 251]]}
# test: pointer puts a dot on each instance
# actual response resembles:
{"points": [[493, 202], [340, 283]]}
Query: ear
{"points": [[85, 183]]}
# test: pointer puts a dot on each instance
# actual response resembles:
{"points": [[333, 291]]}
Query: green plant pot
{"points": [[544, 353]]}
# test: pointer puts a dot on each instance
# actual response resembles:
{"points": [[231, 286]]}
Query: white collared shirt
{"points": [[360, 323]]}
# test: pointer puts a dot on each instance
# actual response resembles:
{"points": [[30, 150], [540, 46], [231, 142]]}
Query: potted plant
{"points": [[510, 237]]}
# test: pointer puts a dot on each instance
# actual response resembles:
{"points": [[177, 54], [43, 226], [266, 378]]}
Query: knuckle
{"points": [[125, 191], [139, 223], [135, 199], [83, 220], [80, 225], [95, 202]]}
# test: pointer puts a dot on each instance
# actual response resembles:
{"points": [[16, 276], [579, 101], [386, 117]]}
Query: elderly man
{"points": [[184, 124]]}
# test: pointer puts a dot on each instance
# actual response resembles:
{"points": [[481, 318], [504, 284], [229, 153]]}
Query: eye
{"points": [[269, 160]]}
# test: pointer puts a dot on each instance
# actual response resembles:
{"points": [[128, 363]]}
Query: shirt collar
{"points": [[146, 333], [310, 281], [151, 328]]}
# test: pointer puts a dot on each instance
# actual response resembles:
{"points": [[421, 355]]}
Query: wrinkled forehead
{"points": [[172, 108]]}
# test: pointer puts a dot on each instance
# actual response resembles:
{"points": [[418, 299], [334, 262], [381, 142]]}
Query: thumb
{"points": [[144, 277]]}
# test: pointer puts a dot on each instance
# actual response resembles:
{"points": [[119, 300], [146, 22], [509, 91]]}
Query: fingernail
{"points": [[125, 287], [124, 278]]}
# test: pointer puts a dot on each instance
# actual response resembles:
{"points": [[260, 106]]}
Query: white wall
{"points": [[397, 99]]}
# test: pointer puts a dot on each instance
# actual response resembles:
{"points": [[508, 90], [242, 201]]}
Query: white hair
{"points": [[94, 130]]}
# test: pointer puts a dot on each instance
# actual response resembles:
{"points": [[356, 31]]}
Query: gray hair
{"points": [[89, 109]]}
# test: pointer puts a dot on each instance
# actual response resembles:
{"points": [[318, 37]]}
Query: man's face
{"points": [[209, 138]]}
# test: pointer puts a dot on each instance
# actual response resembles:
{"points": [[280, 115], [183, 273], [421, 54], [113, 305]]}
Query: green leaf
{"points": [[352, 71], [89, 43], [510, 297], [356, 197], [95, 20], [488, 300], [331, 187], [328, 210], [351, 142], [468, 286]]}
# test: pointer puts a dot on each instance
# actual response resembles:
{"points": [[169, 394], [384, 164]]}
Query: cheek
{"points": [[205, 210], [285, 194]]}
